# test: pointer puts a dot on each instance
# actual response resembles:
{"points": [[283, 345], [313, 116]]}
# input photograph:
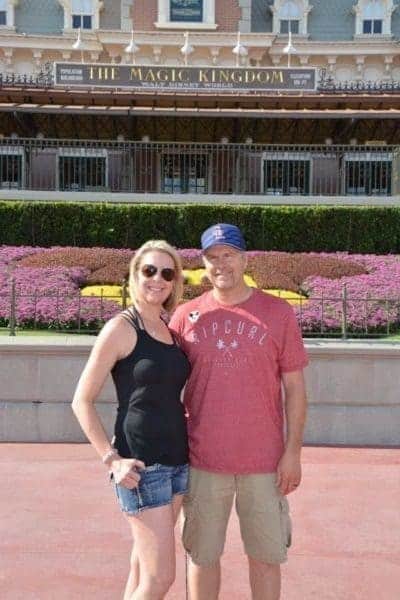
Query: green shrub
{"points": [[290, 228]]}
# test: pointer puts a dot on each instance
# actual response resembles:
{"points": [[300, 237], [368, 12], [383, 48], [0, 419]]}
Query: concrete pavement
{"points": [[63, 537]]}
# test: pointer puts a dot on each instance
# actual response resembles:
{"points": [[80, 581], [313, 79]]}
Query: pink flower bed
{"points": [[49, 296], [372, 299]]}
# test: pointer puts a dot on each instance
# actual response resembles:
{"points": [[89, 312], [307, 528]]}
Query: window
{"points": [[3, 12], [11, 167], [186, 14], [290, 15], [286, 25], [82, 14], [82, 170], [184, 174], [186, 10], [373, 17], [286, 175], [369, 174], [372, 26]]}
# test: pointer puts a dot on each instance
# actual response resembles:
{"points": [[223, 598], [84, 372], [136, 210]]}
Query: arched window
{"points": [[290, 15], [373, 17], [82, 12]]}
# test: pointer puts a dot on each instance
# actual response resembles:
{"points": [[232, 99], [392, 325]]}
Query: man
{"points": [[244, 345]]}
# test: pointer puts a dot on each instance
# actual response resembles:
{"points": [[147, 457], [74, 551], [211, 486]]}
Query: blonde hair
{"points": [[160, 246]]}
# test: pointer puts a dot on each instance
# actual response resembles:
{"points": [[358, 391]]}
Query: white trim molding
{"points": [[290, 10], [97, 6], [374, 10], [164, 21]]}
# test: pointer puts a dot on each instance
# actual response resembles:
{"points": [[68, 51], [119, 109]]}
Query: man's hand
{"points": [[126, 471], [288, 472]]}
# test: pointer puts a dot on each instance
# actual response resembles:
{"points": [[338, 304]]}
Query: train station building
{"points": [[208, 100]]}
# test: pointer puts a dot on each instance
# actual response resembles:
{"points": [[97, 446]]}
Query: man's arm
{"points": [[289, 467]]}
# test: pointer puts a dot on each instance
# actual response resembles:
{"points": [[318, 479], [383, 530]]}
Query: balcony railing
{"points": [[198, 168]]}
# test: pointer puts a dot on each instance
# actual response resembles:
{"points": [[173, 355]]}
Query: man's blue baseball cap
{"points": [[223, 234]]}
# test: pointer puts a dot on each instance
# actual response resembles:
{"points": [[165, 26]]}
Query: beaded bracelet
{"points": [[106, 457]]}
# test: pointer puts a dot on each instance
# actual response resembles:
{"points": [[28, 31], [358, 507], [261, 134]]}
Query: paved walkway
{"points": [[63, 537]]}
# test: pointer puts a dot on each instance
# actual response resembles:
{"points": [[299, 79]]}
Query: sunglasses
{"points": [[150, 270]]}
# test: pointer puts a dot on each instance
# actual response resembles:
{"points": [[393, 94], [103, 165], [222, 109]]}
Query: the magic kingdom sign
{"points": [[184, 78]]}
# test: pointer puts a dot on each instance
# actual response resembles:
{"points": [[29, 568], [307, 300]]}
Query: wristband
{"points": [[108, 455]]}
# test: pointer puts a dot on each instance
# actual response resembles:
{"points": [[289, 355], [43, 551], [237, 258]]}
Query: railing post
{"points": [[344, 312], [124, 294], [13, 305]]}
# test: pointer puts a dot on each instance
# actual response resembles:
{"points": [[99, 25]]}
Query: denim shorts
{"points": [[157, 486]]}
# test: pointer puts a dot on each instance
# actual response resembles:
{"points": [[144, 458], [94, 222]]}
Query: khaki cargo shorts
{"points": [[263, 514]]}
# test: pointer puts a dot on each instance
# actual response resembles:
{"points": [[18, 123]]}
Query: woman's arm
{"points": [[115, 341]]}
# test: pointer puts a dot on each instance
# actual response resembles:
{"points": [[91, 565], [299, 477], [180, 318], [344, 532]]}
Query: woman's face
{"points": [[155, 277]]}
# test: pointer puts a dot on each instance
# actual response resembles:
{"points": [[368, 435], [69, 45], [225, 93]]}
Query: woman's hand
{"points": [[126, 471]]}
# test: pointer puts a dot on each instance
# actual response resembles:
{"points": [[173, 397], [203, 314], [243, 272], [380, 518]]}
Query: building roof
{"points": [[322, 104]]}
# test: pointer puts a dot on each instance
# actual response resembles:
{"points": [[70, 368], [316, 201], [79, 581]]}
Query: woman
{"points": [[148, 459]]}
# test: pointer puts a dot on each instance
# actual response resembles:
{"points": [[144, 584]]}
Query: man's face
{"points": [[225, 266]]}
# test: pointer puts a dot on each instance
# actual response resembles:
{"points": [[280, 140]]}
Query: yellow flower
{"points": [[291, 297], [194, 277], [109, 292]]}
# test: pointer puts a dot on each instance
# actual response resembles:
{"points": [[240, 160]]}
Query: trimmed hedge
{"points": [[291, 228]]}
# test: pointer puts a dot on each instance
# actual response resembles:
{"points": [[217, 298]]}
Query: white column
{"points": [[157, 51], [388, 67], [214, 51], [209, 11], [37, 57], [163, 11], [332, 65], [8, 56], [360, 64], [304, 58]]}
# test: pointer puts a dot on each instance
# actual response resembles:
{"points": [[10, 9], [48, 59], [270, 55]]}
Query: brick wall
{"points": [[145, 14], [227, 15]]}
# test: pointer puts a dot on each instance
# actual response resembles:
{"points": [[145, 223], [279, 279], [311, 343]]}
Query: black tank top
{"points": [[151, 422]]}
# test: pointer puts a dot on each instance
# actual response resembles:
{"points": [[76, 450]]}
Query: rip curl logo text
{"points": [[228, 331]]}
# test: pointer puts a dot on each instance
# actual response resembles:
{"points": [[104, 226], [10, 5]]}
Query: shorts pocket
{"points": [[286, 522]]}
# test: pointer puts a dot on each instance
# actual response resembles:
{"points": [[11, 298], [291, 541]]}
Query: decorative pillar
{"points": [[388, 74], [157, 51], [37, 57], [332, 65], [276, 59], [214, 51], [113, 54], [360, 64], [8, 56]]}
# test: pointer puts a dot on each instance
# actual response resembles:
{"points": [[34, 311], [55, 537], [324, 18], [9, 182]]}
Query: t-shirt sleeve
{"points": [[293, 356]]}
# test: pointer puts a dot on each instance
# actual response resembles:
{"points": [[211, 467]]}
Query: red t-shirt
{"points": [[233, 395]]}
